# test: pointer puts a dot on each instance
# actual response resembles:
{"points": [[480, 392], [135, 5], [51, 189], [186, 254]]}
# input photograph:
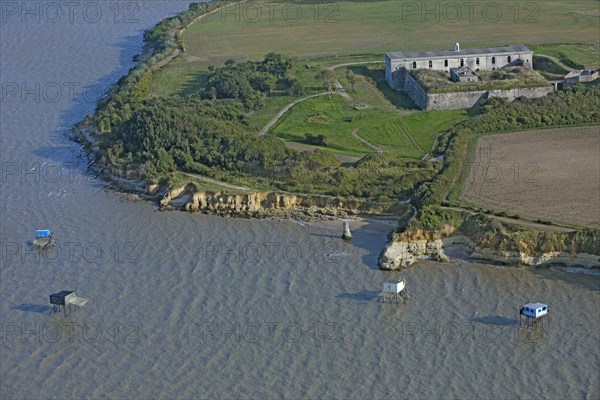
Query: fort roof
{"points": [[398, 55]]}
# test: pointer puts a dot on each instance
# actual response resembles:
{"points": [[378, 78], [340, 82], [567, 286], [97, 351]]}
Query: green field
{"points": [[409, 136], [574, 55], [369, 28], [179, 78], [412, 136], [251, 29], [332, 117]]}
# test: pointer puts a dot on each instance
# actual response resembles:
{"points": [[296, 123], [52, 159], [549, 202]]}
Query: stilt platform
{"points": [[394, 290], [65, 300], [392, 297], [533, 315], [44, 239]]}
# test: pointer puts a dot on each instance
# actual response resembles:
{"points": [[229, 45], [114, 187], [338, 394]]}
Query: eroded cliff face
{"points": [[255, 204], [406, 248], [188, 197]]}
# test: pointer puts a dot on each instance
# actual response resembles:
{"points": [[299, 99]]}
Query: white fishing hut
{"points": [[393, 285], [533, 313], [393, 290]]}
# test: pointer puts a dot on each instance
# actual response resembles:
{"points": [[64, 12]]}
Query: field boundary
{"points": [[454, 193], [453, 199]]}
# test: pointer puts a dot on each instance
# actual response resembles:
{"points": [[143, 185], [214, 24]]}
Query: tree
{"points": [[296, 88], [351, 76], [164, 162], [328, 77], [263, 82], [318, 140], [276, 64]]}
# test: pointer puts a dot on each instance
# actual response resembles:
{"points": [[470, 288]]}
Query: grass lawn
{"points": [[548, 68], [179, 78], [371, 88], [375, 75], [412, 136], [574, 55], [252, 29], [332, 117]]}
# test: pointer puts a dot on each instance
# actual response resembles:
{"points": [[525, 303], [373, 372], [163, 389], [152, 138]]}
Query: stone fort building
{"points": [[461, 66], [485, 59]]}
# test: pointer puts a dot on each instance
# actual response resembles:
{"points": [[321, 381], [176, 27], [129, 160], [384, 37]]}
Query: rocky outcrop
{"points": [[190, 198], [404, 249]]}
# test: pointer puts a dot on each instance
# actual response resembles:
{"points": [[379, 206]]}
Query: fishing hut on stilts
{"points": [[44, 239], [533, 314], [65, 300], [394, 290]]}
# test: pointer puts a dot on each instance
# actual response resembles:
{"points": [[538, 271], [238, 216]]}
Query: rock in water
{"points": [[346, 235]]}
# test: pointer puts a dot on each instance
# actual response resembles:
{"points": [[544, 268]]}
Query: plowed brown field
{"points": [[549, 174]]}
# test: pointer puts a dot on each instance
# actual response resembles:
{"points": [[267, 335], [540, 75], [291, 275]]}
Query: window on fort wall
{"points": [[493, 60], [509, 59], [445, 63], [477, 61], [462, 62], [430, 64], [414, 65]]}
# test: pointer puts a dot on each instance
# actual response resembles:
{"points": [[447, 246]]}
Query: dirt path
{"points": [[214, 181], [339, 90], [333, 67], [286, 109], [523, 223], [178, 51], [166, 60], [365, 141]]}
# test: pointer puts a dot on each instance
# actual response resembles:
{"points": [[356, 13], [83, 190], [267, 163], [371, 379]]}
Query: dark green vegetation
{"points": [[208, 137], [249, 82], [509, 78]]}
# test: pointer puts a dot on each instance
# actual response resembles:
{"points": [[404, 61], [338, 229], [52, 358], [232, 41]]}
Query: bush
{"points": [[247, 82], [296, 88], [316, 140]]}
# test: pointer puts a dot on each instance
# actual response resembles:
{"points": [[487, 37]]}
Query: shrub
{"points": [[316, 140]]}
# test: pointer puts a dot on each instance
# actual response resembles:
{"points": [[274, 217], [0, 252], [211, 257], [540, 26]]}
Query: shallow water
{"points": [[195, 306]]}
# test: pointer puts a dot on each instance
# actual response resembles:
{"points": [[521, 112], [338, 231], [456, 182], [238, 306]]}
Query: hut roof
{"points": [[535, 306], [398, 280]]}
